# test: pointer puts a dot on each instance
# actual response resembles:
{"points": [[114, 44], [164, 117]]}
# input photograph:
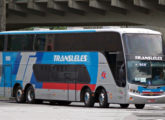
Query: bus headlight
{"points": [[134, 91]]}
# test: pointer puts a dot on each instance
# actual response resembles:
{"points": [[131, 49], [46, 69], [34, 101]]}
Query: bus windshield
{"points": [[149, 44], [147, 73]]}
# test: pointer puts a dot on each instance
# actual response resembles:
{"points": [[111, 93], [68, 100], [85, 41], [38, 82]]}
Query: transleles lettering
{"points": [[148, 58]]}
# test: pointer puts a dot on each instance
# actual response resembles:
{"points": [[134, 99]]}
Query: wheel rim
{"points": [[101, 98], [87, 97], [19, 94], [30, 95]]}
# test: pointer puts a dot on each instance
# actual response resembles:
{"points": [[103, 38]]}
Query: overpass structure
{"points": [[26, 13]]}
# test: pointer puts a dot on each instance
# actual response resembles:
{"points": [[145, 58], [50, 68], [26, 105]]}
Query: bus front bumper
{"points": [[139, 99]]}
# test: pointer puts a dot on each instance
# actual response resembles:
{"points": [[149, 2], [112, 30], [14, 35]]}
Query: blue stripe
{"points": [[46, 32], [91, 64], [142, 89]]}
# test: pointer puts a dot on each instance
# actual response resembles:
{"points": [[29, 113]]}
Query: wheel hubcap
{"points": [[30, 95], [19, 94], [101, 98], [87, 96]]}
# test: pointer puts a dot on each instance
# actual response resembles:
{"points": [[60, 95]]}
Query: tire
{"points": [[19, 95], [124, 105], [30, 95], [88, 98], [102, 98], [38, 101], [52, 102], [139, 106]]}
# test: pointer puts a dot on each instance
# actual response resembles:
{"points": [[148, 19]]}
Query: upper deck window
{"points": [[39, 42], [143, 44], [1, 42], [20, 42], [99, 41]]}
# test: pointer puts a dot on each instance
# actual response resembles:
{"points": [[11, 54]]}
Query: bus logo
{"points": [[148, 58], [70, 58], [103, 75], [25, 71]]}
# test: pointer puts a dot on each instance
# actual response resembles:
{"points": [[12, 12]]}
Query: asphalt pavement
{"points": [[10, 110]]}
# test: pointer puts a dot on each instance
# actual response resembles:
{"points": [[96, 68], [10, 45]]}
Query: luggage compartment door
{"points": [[7, 80]]}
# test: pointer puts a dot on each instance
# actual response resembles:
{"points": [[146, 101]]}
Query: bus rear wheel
{"points": [[139, 106], [30, 95], [38, 101], [19, 96], [124, 105], [102, 98], [88, 98]]}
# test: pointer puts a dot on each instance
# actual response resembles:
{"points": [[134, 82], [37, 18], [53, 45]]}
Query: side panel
{"points": [[1, 74], [105, 78], [72, 87], [21, 71], [68, 89], [7, 80]]}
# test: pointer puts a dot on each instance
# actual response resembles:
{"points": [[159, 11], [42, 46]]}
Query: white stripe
{"points": [[1, 60], [23, 64], [29, 69]]}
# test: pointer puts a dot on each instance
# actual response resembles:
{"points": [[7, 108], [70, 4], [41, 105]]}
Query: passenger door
{"points": [[117, 87]]}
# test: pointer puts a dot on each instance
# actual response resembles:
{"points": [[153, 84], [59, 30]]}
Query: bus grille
{"points": [[152, 93]]}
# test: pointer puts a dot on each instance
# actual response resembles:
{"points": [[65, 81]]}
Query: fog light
{"points": [[131, 98]]}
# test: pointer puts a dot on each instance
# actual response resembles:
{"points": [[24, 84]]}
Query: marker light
{"points": [[131, 98]]}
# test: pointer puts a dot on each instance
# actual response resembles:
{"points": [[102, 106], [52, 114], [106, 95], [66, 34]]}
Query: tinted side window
{"points": [[39, 42], [99, 41], [20, 42], [116, 64], [83, 75], [61, 73], [1, 42]]}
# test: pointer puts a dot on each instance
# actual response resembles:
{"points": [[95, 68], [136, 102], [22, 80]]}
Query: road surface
{"points": [[10, 110]]}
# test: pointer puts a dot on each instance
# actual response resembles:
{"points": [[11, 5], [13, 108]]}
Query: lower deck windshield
{"points": [[148, 73]]}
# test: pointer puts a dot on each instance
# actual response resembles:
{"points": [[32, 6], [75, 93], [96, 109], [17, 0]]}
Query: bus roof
{"points": [[119, 30], [131, 30]]}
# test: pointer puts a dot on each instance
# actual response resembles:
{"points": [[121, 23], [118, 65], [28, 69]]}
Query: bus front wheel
{"points": [[103, 101], [30, 95], [139, 106], [19, 96], [124, 105], [88, 98]]}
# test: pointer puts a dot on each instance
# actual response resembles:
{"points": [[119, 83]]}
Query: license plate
{"points": [[151, 101]]}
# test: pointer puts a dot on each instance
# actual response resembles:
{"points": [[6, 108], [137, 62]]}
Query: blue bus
{"points": [[109, 66]]}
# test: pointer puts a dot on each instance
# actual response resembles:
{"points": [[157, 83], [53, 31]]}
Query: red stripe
{"points": [[67, 86], [152, 92]]}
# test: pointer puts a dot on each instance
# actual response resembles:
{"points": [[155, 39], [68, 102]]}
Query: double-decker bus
{"points": [[109, 66]]}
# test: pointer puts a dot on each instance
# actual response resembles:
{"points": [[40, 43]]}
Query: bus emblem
{"points": [[103, 75]]}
